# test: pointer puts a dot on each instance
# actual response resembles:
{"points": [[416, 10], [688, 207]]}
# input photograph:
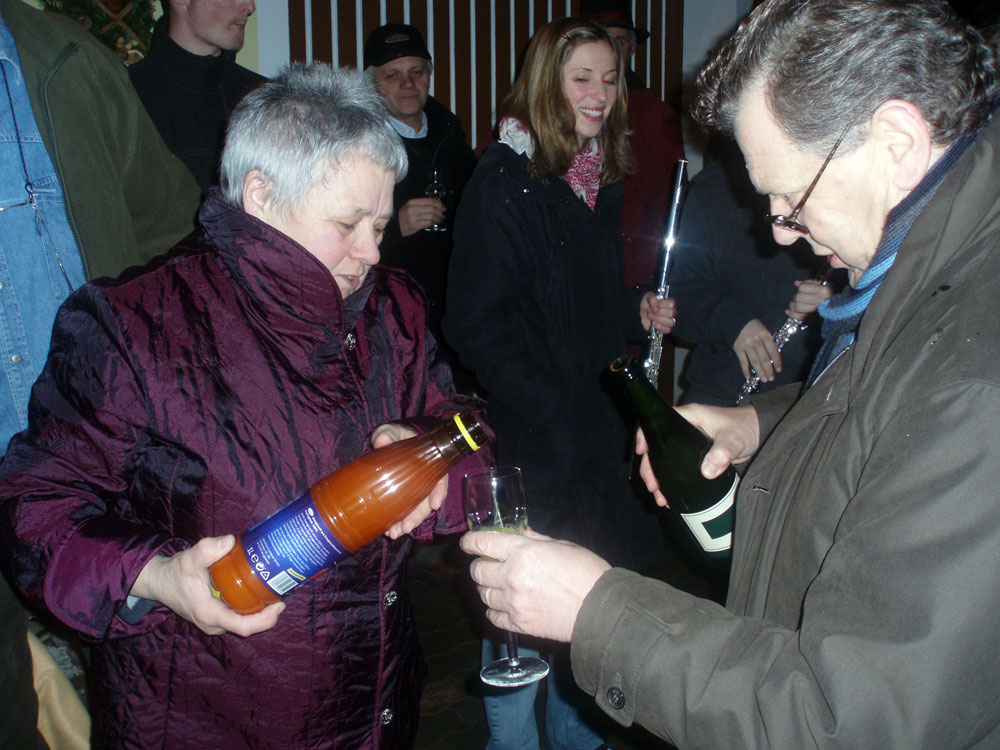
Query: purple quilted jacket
{"points": [[194, 400]]}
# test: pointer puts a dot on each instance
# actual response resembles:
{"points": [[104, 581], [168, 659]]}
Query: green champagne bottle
{"points": [[676, 450]]}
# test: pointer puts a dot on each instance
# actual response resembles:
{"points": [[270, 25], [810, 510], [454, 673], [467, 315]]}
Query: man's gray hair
{"points": [[303, 125], [826, 65]]}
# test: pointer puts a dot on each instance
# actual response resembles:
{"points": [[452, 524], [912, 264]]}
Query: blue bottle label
{"points": [[291, 545]]}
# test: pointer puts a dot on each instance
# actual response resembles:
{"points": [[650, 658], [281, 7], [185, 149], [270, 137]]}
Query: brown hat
{"points": [[613, 13], [391, 41]]}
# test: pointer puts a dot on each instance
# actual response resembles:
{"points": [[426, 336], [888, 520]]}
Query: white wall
{"points": [[272, 37], [706, 23]]}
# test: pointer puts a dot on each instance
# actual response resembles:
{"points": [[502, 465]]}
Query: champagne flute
{"points": [[495, 501], [436, 189]]}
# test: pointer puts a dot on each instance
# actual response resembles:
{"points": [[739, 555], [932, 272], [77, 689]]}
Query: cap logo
{"points": [[395, 38]]}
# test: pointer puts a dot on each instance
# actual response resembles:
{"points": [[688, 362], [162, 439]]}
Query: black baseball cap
{"points": [[394, 40]]}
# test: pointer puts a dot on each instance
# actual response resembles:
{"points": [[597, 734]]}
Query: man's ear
{"points": [[904, 139], [256, 194]]}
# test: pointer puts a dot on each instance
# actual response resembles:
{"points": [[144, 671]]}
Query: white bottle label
{"points": [[722, 539]]}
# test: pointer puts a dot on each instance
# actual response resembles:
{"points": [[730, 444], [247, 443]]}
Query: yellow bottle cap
{"points": [[465, 433]]}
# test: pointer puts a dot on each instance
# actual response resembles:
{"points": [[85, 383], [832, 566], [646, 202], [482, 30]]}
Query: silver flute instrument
{"points": [[654, 350], [789, 328]]}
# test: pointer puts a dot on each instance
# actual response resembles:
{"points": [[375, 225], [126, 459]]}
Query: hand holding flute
{"points": [[654, 350], [656, 312], [759, 351]]}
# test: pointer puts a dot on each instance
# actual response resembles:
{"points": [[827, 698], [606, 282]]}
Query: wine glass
{"points": [[436, 189], [495, 501]]}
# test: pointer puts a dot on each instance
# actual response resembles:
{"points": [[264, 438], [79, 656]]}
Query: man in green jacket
{"points": [[129, 199], [866, 555], [87, 188]]}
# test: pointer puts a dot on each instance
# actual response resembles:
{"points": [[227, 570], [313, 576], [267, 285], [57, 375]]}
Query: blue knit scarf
{"points": [[842, 314]]}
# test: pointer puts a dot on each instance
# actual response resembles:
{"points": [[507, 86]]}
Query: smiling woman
{"points": [[590, 85], [536, 307]]}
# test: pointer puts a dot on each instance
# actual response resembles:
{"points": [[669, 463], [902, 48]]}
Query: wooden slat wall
{"points": [[475, 43]]}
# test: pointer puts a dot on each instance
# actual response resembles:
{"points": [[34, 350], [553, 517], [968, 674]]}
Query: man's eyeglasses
{"points": [[792, 220]]}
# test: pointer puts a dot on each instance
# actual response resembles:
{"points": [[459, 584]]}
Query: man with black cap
{"points": [[656, 141], [418, 239]]}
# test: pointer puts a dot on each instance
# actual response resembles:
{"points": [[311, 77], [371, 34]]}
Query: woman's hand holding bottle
{"points": [[392, 433]]}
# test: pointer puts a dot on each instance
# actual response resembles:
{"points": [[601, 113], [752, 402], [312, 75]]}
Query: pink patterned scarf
{"points": [[584, 175]]}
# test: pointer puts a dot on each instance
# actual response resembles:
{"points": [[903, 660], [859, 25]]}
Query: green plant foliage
{"points": [[126, 26]]}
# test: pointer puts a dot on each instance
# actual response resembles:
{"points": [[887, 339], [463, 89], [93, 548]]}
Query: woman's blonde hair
{"points": [[538, 102]]}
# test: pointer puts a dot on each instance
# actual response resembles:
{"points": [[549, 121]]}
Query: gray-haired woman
{"points": [[186, 402]]}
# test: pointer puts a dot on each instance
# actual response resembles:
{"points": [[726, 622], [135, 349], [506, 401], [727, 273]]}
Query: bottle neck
{"points": [[460, 436], [628, 374]]}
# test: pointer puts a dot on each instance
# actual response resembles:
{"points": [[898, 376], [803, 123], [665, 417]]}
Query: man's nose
{"points": [[785, 236]]}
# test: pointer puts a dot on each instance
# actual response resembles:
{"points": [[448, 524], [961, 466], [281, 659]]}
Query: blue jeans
{"points": [[510, 713]]}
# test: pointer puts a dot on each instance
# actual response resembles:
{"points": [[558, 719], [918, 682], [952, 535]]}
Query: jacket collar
{"points": [[193, 72], [556, 190], [944, 238]]}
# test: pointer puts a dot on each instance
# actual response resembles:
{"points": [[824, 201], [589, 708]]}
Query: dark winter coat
{"points": [[190, 98], [193, 401], [866, 554], [425, 254], [537, 309]]}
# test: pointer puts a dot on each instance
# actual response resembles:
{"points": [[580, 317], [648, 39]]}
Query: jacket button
{"points": [[15, 358], [390, 598], [616, 698], [386, 717], [350, 341]]}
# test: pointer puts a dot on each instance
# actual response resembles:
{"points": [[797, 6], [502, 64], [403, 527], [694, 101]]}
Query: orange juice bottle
{"points": [[338, 515]]}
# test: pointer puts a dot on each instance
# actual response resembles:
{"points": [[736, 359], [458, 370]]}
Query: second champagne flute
{"points": [[495, 501]]}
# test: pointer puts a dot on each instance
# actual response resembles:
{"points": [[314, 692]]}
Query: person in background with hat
{"points": [[657, 144], [418, 238]]}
